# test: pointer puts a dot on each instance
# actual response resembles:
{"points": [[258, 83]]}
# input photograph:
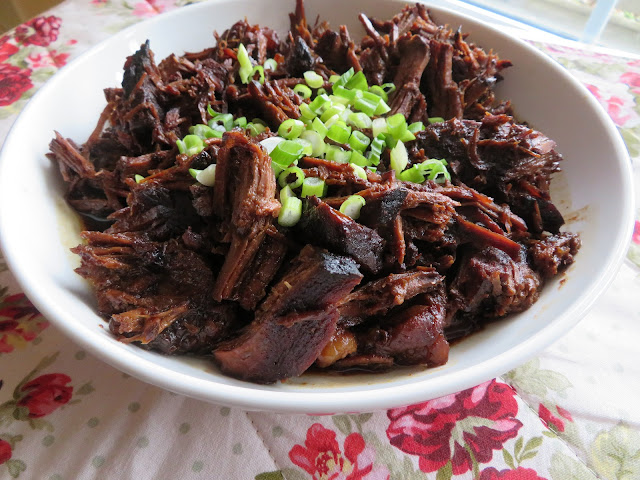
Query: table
{"points": [[572, 412]]}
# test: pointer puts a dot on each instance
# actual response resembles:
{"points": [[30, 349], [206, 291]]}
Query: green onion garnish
{"points": [[204, 131], [284, 176], [306, 113], [344, 78], [246, 68], [307, 148], [416, 127], [352, 205], [378, 126], [359, 141], [206, 177], [357, 82], [240, 122], [358, 159], [337, 154], [286, 152], [270, 64], [313, 79], [255, 129], [290, 129], [399, 158], [316, 140], [260, 70], [194, 172], [359, 120], [378, 90], [320, 103], [191, 145], [412, 174], [436, 119], [358, 170], [223, 119], [397, 125], [302, 90], [339, 132], [290, 212], [138, 178], [319, 127], [313, 186]]}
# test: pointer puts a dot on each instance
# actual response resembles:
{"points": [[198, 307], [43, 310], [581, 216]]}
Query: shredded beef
{"points": [[209, 268]]}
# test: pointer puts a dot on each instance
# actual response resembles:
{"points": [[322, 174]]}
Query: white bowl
{"points": [[37, 228]]}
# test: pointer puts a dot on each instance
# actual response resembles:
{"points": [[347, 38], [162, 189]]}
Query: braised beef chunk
{"points": [[553, 254], [376, 298], [194, 246], [295, 321], [491, 284], [329, 228], [244, 198]]}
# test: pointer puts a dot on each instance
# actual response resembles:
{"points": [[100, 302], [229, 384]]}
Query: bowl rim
{"points": [[311, 401]]}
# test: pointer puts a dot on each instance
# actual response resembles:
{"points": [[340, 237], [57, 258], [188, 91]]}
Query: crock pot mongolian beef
{"points": [[281, 203]]}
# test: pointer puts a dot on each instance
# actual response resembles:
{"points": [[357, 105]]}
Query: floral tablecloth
{"points": [[573, 412]]}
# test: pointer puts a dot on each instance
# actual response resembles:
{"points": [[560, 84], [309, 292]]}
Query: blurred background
{"points": [[610, 23]]}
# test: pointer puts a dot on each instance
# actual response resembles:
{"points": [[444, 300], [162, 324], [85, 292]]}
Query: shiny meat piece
{"points": [[553, 254], [327, 227], [294, 322], [491, 284], [413, 336], [408, 100], [377, 298], [244, 196]]}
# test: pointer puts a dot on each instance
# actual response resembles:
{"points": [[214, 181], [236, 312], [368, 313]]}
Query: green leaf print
{"points": [[508, 459], [277, 475], [386, 455], [531, 379], [615, 454], [342, 423], [631, 137], [564, 467], [446, 472], [85, 389], [15, 467]]}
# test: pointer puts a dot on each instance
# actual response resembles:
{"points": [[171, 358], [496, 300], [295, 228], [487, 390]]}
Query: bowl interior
{"points": [[37, 228]]}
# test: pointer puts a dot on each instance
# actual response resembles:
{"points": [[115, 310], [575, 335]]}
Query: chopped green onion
{"points": [[224, 119], [255, 129], [290, 212], [357, 82], [334, 78], [359, 141], [416, 127], [246, 68], [435, 169], [286, 152], [337, 154], [270, 143], [382, 108], [211, 111], [365, 105], [259, 121], [320, 103], [284, 176], [313, 186], [291, 129], [407, 136], [399, 158], [285, 193], [378, 126], [306, 112], [436, 119], [138, 178], [191, 145], [334, 109], [307, 148], [352, 205], [321, 91], [313, 79], [358, 170], [316, 140], [332, 120], [377, 145], [302, 90], [194, 172], [389, 87], [397, 125], [204, 131], [338, 100], [207, 176], [340, 91], [378, 90], [260, 70], [240, 122], [412, 174], [344, 78], [358, 159], [339, 132], [319, 127], [270, 64], [360, 120]]}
